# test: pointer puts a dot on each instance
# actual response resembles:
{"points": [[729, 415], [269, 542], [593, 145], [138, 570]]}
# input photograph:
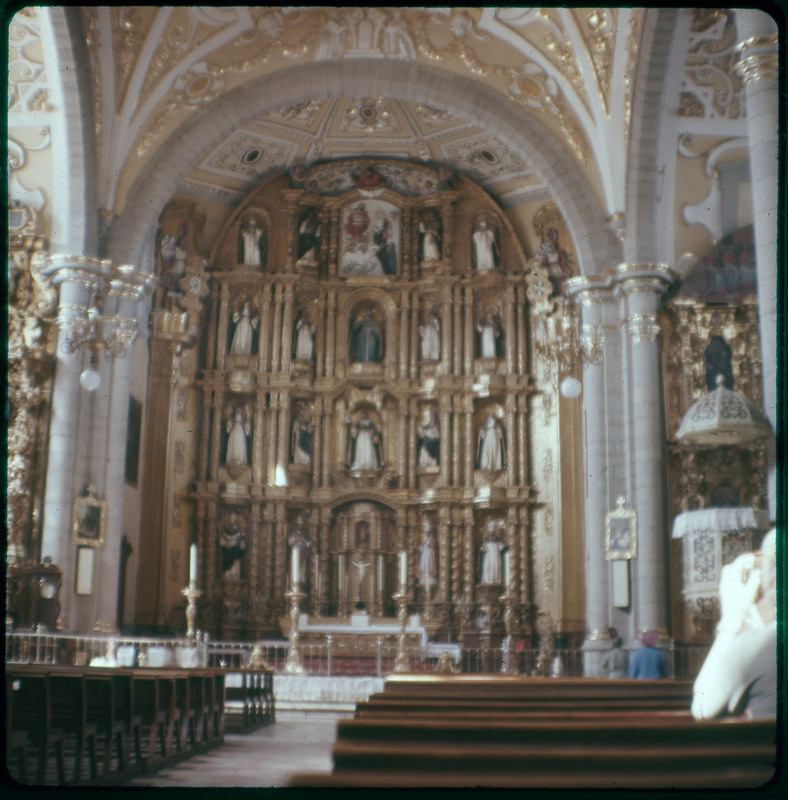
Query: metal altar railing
{"points": [[29, 647]]}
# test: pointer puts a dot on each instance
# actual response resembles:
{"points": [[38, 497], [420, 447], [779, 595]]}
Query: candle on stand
{"points": [[507, 569], [294, 576], [403, 569], [193, 564]]}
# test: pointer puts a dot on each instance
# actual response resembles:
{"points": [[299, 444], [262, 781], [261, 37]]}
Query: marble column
{"points": [[74, 276], [757, 65], [596, 496], [647, 437]]}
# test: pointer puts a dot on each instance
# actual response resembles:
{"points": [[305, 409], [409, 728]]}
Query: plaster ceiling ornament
{"points": [[485, 159], [368, 115], [304, 111], [28, 89], [709, 74], [723, 417], [251, 154]]}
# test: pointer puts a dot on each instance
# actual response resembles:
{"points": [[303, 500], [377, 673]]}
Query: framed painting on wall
{"points": [[88, 521], [621, 533]]}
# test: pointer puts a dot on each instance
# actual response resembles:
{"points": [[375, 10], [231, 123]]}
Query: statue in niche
{"points": [[243, 335], [489, 332], [490, 447], [384, 237], [430, 336], [429, 441], [308, 236], [304, 339], [332, 39], [491, 550], [365, 445], [300, 548], [430, 236], [361, 560], [232, 541], [365, 340], [251, 245], [301, 438], [485, 246], [427, 564], [239, 428], [397, 41], [718, 362], [557, 260]]}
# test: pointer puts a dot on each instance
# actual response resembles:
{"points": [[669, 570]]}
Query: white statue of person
{"points": [[430, 334], [251, 241], [430, 239], [301, 438], [304, 339], [232, 541], [427, 564], [429, 441], [238, 429], [245, 325], [490, 557], [489, 331], [365, 445], [361, 559], [485, 248], [490, 447]]}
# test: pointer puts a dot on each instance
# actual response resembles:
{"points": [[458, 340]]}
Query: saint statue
{"points": [[386, 251], [427, 564], [554, 258], [429, 229], [490, 447], [238, 430], [485, 248], [430, 334], [490, 557], [245, 325], [301, 438], [365, 445], [304, 339], [308, 237], [429, 441], [232, 541], [365, 342], [251, 243], [489, 331]]}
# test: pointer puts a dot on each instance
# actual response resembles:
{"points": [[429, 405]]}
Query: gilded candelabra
{"points": [[191, 593], [294, 664], [508, 664], [401, 598]]}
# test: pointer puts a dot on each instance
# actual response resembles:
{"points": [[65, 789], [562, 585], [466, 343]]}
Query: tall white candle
{"points": [[193, 564], [403, 568], [507, 568], [294, 576]]}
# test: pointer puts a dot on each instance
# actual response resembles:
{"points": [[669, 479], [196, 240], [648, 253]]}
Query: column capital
{"points": [[657, 277], [757, 58]]}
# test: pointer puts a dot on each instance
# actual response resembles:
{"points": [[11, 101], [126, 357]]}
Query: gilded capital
{"points": [[757, 58]]}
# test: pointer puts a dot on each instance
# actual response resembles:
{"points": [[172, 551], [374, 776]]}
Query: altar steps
{"points": [[302, 695]]}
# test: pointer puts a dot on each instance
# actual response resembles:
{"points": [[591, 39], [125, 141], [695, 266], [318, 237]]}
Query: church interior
{"points": [[451, 328]]}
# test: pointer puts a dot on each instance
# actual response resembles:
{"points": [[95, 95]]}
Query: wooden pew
{"points": [[543, 733], [91, 713], [249, 699]]}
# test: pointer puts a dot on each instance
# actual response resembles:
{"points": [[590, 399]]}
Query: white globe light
{"points": [[571, 388], [89, 379]]}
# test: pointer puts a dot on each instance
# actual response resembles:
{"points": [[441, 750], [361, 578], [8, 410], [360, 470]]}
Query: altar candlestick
{"points": [[193, 564], [294, 576], [507, 568], [403, 568]]}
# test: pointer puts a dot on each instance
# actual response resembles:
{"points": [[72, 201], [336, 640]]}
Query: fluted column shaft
{"points": [[757, 65]]}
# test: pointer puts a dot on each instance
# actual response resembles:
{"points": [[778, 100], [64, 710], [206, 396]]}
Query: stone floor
{"points": [[265, 757]]}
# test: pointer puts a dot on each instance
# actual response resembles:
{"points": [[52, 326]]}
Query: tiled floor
{"points": [[266, 757]]}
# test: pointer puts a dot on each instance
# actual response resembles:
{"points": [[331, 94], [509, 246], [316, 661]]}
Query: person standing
{"points": [[648, 662], [616, 661]]}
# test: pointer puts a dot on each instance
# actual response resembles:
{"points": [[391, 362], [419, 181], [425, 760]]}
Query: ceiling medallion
{"points": [[368, 115]]}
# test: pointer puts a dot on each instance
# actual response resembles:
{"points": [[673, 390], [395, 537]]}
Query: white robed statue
{"points": [[485, 249], [365, 451], [238, 429], [245, 325], [490, 447], [427, 565], [304, 339], [430, 333], [490, 558], [488, 333]]}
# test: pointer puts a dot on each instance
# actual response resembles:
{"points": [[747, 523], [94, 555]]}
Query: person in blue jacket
{"points": [[648, 662]]}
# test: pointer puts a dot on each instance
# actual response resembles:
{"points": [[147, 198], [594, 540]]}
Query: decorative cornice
{"points": [[659, 277]]}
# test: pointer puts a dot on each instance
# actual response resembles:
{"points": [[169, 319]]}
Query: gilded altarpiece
{"points": [[364, 382], [707, 342]]}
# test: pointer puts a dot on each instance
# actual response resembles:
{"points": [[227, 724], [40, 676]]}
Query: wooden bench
{"points": [[543, 733], [91, 714], [249, 699]]}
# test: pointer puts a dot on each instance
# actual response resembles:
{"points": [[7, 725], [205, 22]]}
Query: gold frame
{"points": [[617, 522], [78, 531]]}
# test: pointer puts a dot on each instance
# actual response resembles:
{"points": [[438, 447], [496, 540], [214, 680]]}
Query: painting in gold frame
{"points": [[88, 521]]}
